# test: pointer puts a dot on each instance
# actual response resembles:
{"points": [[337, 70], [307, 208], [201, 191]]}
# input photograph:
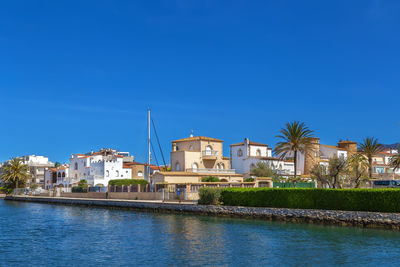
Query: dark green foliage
{"points": [[248, 180], [210, 179], [119, 182], [209, 195], [379, 200], [83, 183], [79, 189]]}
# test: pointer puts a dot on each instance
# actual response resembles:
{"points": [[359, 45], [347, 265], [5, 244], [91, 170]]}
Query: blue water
{"points": [[50, 235]]}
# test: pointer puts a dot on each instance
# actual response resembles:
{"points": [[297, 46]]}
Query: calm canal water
{"points": [[49, 235]]}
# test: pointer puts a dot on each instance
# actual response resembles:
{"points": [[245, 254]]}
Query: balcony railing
{"points": [[210, 153], [209, 170]]}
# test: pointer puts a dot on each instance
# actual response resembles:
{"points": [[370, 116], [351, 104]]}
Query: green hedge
{"points": [[79, 189], [119, 182], [380, 200], [209, 195]]}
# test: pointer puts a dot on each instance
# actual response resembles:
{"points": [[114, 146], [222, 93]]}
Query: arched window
{"points": [[222, 166], [59, 174], [140, 173], [117, 173], [63, 174], [240, 152], [258, 153], [218, 166], [208, 150], [191, 148], [107, 173], [195, 166], [177, 166], [76, 165]]}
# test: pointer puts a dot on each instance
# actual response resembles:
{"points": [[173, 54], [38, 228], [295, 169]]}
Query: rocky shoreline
{"points": [[341, 218]]}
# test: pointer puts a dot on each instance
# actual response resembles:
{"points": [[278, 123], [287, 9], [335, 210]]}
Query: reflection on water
{"points": [[39, 234]]}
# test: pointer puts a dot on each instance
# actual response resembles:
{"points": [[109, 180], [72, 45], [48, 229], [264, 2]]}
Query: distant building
{"points": [[196, 157], [381, 167], [246, 155], [37, 167], [139, 170], [98, 168], [57, 176], [320, 154]]}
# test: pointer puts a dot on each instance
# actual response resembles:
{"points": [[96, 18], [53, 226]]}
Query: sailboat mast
{"points": [[149, 145]]}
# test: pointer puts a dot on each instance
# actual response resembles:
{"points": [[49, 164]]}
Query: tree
{"points": [[262, 170], [331, 175], [320, 174], [369, 147], [395, 160], [357, 168], [296, 137], [15, 173], [83, 183], [57, 164], [336, 168]]}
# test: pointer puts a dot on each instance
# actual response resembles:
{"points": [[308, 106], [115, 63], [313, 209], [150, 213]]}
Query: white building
{"points": [[98, 168], [57, 176], [246, 155], [37, 166]]}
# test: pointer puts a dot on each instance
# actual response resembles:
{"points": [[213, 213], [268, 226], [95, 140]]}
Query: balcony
{"points": [[209, 170], [209, 154]]}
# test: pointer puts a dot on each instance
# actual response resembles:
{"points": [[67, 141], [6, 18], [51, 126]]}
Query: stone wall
{"points": [[342, 218]]}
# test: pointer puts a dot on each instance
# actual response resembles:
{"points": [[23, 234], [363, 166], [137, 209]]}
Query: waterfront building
{"points": [[320, 154], [247, 154], [139, 170], [98, 168], [196, 157], [37, 167], [381, 168], [57, 176]]}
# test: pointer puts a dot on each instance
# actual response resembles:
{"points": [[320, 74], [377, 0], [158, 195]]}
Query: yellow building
{"points": [[196, 157]]}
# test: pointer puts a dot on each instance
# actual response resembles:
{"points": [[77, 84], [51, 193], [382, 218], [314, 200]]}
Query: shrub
{"points": [[79, 189], [83, 183], [119, 182], [209, 196], [210, 179], [248, 180], [379, 200]]}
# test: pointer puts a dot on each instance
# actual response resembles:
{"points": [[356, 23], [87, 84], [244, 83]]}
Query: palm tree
{"points": [[15, 171], [296, 137], [395, 160], [369, 147]]}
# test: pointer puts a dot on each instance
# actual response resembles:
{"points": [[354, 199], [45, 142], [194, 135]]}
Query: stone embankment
{"points": [[342, 218]]}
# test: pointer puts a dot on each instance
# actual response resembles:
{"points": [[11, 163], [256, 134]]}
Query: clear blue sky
{"points": [[76, 75]]}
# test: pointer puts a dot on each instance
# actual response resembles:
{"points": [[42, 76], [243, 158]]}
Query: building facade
{"points": [[196, 157], [98, 168], [247, 154], [37, 167]]}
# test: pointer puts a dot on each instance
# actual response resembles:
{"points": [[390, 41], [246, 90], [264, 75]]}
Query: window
{"points": [[191, 148], [240, 152], [195, 166], [258, 153], [117, 173], [218, 166], [76, 166], [59, 174], [222, 166], [63, 174], [107, 173], [140, 173], [177, 166]]}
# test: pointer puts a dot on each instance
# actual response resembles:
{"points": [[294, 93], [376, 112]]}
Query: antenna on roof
{"points": [[191, 133]]}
